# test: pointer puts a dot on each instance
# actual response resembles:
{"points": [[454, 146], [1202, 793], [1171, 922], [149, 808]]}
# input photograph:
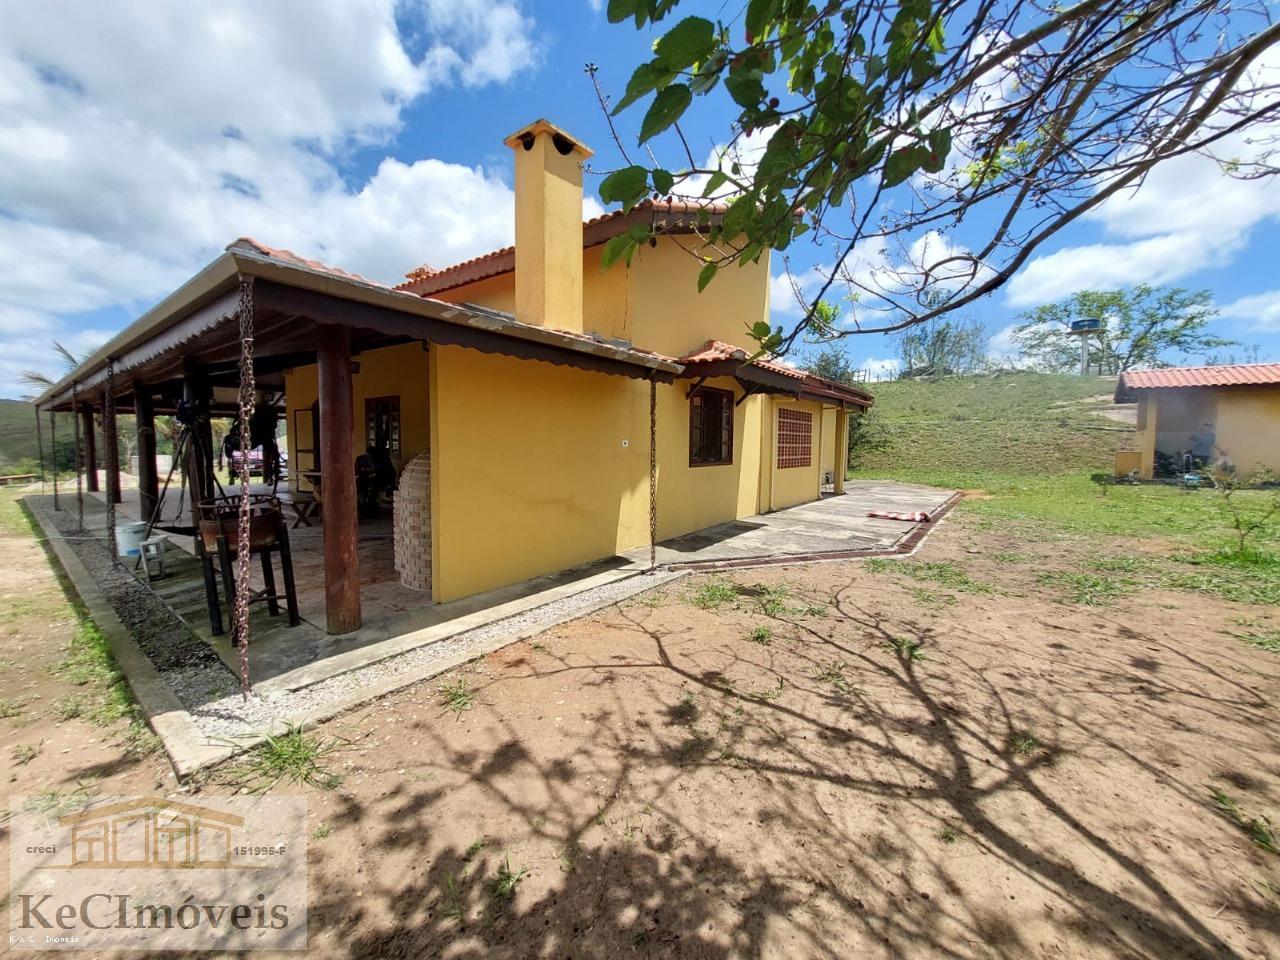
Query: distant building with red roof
{"points": [[1226, 415]]}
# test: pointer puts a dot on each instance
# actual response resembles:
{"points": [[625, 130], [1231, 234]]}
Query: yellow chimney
{"points": [[548, 226]]}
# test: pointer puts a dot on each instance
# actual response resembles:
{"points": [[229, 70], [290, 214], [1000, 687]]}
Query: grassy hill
{"points": [[17, 435], [961, 430]]}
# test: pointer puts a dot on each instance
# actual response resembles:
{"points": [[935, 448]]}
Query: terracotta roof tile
{"points": [[716, 350], [1174, 378], [288, 256], [673, 215]]}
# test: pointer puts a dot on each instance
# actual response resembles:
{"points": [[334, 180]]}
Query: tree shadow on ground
{"points": [[849, 742]]}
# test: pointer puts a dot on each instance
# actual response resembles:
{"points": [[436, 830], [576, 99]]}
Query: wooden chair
{"points": [[268, 534]]}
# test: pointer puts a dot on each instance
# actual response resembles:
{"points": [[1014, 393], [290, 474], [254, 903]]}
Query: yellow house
{"points": [[1225, 415], [534, 467], [547, 412]]}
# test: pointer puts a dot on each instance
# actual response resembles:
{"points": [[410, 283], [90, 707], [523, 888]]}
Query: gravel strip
{"points": [[211, 692], [231, 717], [172, 646]]}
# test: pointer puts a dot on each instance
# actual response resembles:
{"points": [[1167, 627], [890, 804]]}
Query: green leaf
{"points": [[623, 247], [745, 88], [760, 330], [628, 186], [900, 165], [759, 13], [688, 42], [706, 275], [663, 181], [619, 10], [715, 182], [647, 77], [665, 110]]}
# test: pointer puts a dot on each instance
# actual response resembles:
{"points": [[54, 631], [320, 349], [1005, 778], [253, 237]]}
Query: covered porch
{"points": [[188, 357], [396, 622]]}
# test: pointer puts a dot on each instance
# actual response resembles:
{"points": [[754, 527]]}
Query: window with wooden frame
{"points": [[795, 438], [710, 427], [382, 425]]}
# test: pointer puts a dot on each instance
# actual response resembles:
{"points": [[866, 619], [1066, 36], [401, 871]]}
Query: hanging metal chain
{"points": [[113, 457], [246, 405], [653, 475], [75, 419], [53, 443]]}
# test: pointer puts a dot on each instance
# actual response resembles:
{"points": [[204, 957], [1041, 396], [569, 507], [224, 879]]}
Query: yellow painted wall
{"points": [[388, 372], [827, 460], [529, 471], [1248, 427], [691, 498], [654, 303], [670, 316], [785, 487]]}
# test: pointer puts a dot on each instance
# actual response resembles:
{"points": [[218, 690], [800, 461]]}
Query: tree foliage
{"points": [[1141, 327], [943, 346], [881, 130]]}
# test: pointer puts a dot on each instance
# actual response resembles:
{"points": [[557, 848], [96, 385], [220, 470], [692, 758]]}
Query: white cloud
{"points": [[880, 367], [1103, 266], [1186, 216], [1261, 310], [137, 140], [782, 292]]}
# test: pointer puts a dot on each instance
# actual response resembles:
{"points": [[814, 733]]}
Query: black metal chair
{"points": [[268, 534]]}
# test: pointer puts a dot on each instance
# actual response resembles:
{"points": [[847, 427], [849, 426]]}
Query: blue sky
{"points": [[136, 142]]}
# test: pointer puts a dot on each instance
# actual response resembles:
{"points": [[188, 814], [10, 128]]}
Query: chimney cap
{"points": [[566, 142]]}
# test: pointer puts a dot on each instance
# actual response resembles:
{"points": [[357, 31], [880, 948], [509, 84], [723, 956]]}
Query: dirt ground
{"points": [[1033, 781]]}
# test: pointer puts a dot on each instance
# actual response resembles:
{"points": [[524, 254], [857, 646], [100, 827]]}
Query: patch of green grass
{"points": [[948, 835], [906, 649], [833, 673], [69, 707], [881, 565], [10, 707], [1090, 590], [293, 757], [1009, 557], [475, 847], [1029, 423], [1258, 828], [761, 635], [946, 574], [24, 753], [774, 598], [321, 831], [503, 886], [457, 696], [1266, 640], [55, 801], [1125, 564], [930, 598], [1024, 744], [1250, 577], [714, 593]]}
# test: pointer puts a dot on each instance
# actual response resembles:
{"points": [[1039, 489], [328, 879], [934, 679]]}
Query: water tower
{"points": [[1082, 329]]}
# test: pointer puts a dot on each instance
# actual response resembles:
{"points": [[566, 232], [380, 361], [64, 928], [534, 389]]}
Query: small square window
{"points": [[710, 427]]}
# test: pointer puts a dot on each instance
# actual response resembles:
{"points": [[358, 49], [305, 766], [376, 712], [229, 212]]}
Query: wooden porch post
{"points": [[198, 393], [148, 481], [90, 448], [337, 471], [841, 454]]}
